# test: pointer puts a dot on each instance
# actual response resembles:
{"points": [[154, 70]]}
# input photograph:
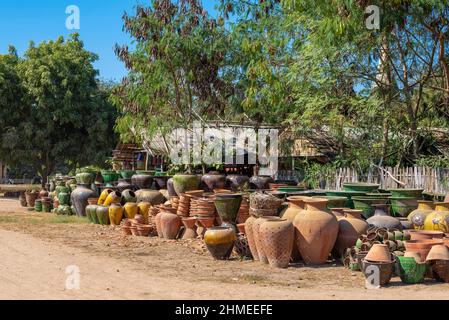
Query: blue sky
{"points": [[101, 26]]}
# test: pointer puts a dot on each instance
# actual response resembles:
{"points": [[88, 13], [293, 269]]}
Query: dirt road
{"points": [[36, 249]]}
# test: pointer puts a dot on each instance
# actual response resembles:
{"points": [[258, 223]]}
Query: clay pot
{"points": [[113, 197], [170, 224], [260, 182], [142, 181], [38, 205], [115, 214], [220, 242], [144, 209], [64, 199], [438, 252], [128, 196], [171, 188], [102, 214], [103, 196], [185, 182], [418, 216], [124, 184], [411, 271], [440, 270], [214, 181], [379, 253], [386, 270], [91, 212], [161, 183], [277, 237], [382, 218], [249, 231], [42, 194], [131, 210], [79, 198], [414, 255], [22, 199], [438, 220], [258, 240], [339, 213], [190, 228], [351, 227], [421, 246], [152, 196], [228, 206], [296, 205], [237, 182], [316, 231], [157, 221], [425, 235], [31, 198]]}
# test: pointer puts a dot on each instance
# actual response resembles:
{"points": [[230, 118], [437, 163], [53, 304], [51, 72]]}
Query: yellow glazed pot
{"points": [[113, 197], [220, 242], [131, 209], [418, 216], [144, 209], [115, 214], [438, 220], [104, 195]]}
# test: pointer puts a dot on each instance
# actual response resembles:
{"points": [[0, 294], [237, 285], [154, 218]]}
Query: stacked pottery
{"points": [[237, 182], [422, 247], [295, 205], [277, 237], [316, 231], [185, 182], [351, 227], [220, 242], [439, 218], [382, 218], [203, 206], [438, 258], [378, 259], [418, 216], [214, 180], [183, 208], [264, 204], [142, 181]]}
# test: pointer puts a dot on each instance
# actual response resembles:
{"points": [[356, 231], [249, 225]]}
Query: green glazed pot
{"points": [[360, 187], [402, 207], [365, 204], [85, 178], [128, 196], [91, 213], [407, 193], [38, 205], [127, 174], [290, 189], [109, 176], [185, 182], [348, 194], [61, 189], [64, 198], [228, 206], [102, 214], [410, 271], [46, 206]]}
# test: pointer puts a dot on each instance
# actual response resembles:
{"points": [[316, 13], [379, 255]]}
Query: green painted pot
{"points": [[378, 195], [290, 189], [38, 205], [46, 206], [102, 213], [61, 189], [407, 193], [185, 182], [64, 198], [109, 176], [228, 206], [127, 174], [348, 194], [91, 213], [365, 204], [410, 271], [402, 207], [334, 202], [360, 187], [85, 178]]}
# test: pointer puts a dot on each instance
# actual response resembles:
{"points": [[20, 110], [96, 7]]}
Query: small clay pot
{"points": [[170, 224]]}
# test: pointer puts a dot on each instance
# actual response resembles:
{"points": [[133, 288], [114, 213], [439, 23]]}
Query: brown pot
{"points": [[316, 231], [421, 246], [277, 237], [190, 228], [425, 234], [31, 198], [170, 225], [157, 221], [22, 199], [351, 227], [152, 196], [379, 253], [257, 238], [214, 181], [249, 231], [295, 205], [339, 213]]}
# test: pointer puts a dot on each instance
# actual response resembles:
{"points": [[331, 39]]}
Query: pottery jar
{"points": [[316, 231], [79, 198], [295, 205], [228, 206], [438, 220], [130, 210], [91, 213], [115, 214], [185, 182], [64, 198], [189, 228], [382, 218], [351, 227], [31, 197], [152, 196], [124, 184], [421, 246], [418, 216], [170, 224], [144, 209], [260, 182], [142, 181], [249, 231], [171, 188], [113, 197], [220, 242], [277, 237], [102, 214], [128, 196], [213, 181], [104, 194], [257, 239], [237, 182]]}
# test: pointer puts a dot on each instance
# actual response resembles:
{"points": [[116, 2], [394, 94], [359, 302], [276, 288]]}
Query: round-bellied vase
{"points": [[170, 224], [79, 198], [102, 214], [115, 214], [220, 242], [277, 237], [351, 227]]}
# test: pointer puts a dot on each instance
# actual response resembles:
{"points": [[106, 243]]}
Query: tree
{"points": [[65, 118]]}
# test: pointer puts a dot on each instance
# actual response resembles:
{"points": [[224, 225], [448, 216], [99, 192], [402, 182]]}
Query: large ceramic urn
{"points": [[316, 231], [170, 224], [250, 237], [383, 219], [438, 220], [79, 198], [185, 182], [142, 181], [351, 227], [171, 188], [214, 180], [418, 216], [237, 182], [260, 182], [277, 237], [161, 182], [152, 196], [220, 242], [257, 237]]}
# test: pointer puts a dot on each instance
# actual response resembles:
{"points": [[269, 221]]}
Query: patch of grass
{"points": [[68, 219], [8, 219]]}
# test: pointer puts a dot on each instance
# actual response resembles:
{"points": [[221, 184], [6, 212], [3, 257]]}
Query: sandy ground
{"points": [[37, 249]]}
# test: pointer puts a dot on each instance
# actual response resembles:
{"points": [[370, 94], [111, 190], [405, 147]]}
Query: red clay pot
{"points": [[170, 224], [421, 246]]}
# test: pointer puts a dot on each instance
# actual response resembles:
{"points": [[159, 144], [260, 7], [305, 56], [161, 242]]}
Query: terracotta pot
{"points": [[237, 182], [296, 205], [128, 196], [22, 199], [440, 270], [339, 213], [31, 198], [350, 229], [157, 221], [316, 231], [79, 198], [42, 194], [260, 182], [438, 220], [249, 231], [425, 235], [190, 228], [102, 214], [257, 239], [386, 270], [130, 210], [277, 237], [115, 214], [220, 242], [170, 224], [152, 196], [142, 181], [421, 246], [418, 216], [379, 253], [228, 206], [103, 196], [214, 181], [438, 252], [185, 182]]}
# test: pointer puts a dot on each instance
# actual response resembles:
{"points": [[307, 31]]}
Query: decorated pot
{"points": [[152, 196], [438, 220], [85, 178], [419, 215], [277, 237], [220, 242], [103, 195], [316, 231], [170, 224], [185, 182], [214, 181], [64, 198], [237, 182], [102, 214], [115, 214], [79, 198], [144, 209], [113, 197], [142, 181]]}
